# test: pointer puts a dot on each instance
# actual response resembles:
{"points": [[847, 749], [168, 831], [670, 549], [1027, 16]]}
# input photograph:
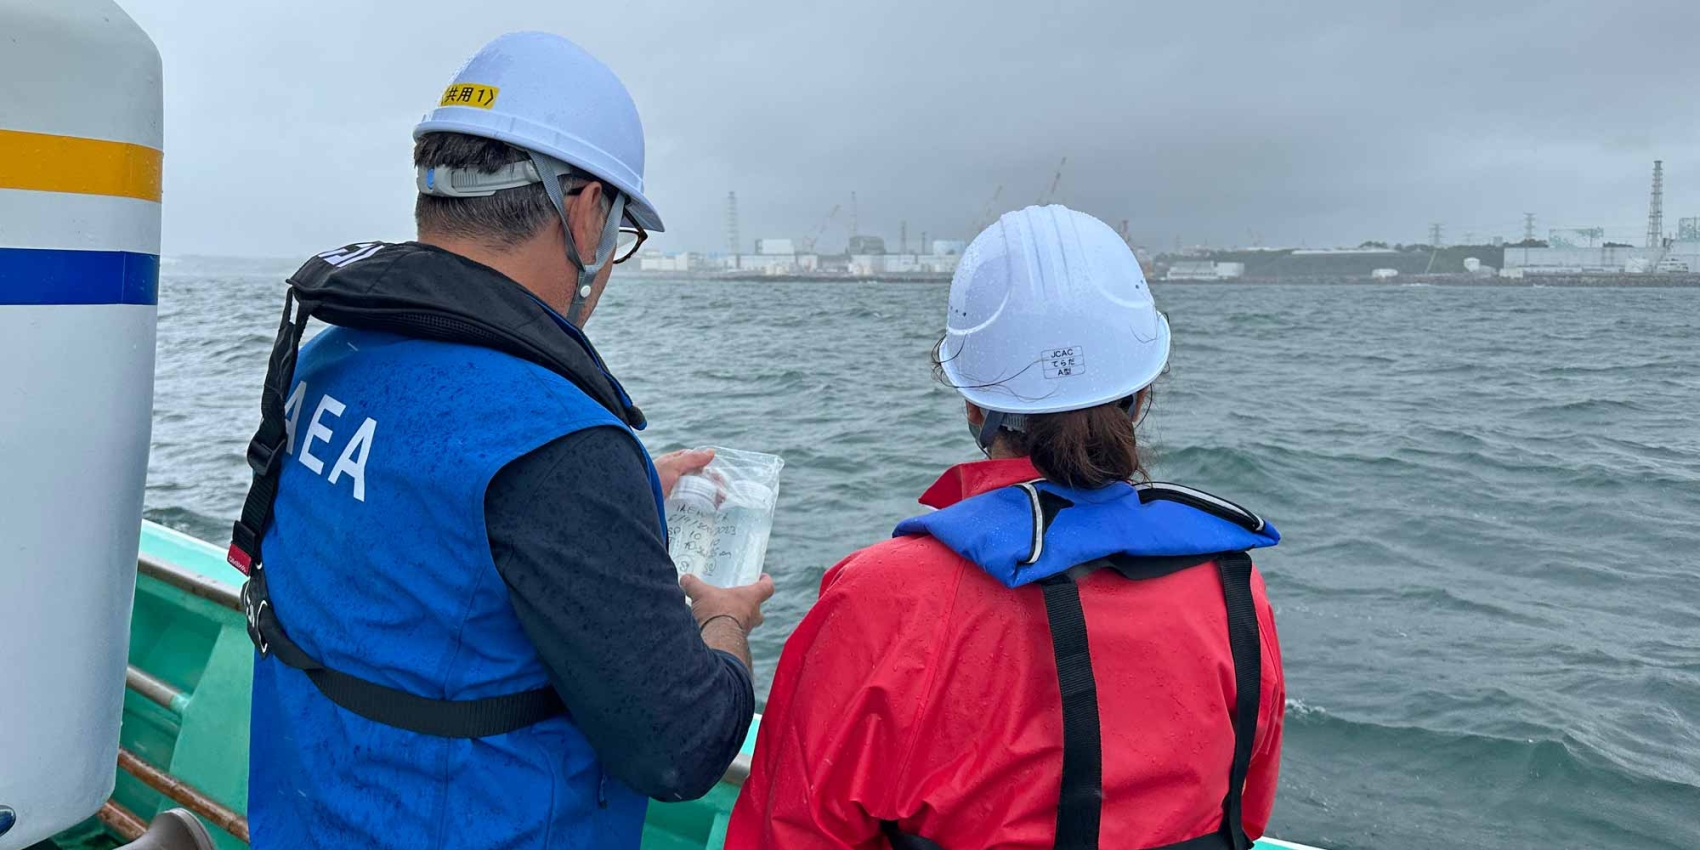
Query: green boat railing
{"points": [[147, 686], [120, 821], [185, 735]]}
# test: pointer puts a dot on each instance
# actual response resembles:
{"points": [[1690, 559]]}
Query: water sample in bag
{"points": [[719, 519]]}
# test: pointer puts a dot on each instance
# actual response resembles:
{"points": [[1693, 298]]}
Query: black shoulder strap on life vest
{"points": [[1246, 644], [1080, 796], [1080, 801], [478, 718], [901, 840]]}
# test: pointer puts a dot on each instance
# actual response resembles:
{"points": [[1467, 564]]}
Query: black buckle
{"points": [[243, 536], [261, 456], [252, 611]]}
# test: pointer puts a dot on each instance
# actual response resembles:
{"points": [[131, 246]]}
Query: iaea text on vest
{"points": [[352, 461]]}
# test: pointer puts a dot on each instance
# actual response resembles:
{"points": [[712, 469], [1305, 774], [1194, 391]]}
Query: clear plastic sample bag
{"points": [[719, 519]]}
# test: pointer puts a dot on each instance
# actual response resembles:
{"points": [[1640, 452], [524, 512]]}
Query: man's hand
{"points": [[726, 615], [742, 603], [682, 462]]}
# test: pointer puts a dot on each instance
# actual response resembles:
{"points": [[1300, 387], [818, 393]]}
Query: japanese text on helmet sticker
{"points": [[469, 94], [1063, 362]]}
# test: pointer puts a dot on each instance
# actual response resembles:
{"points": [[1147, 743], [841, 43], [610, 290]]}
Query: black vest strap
{"points": [[1246, 644], [478, 718], [1080, 798], [270, 439], [901, 840]]}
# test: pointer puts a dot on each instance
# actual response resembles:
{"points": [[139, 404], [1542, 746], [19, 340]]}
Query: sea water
{"points": [[1489, 499]]}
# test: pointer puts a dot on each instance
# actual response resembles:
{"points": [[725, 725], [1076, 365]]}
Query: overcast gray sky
{"points": [[287, 124]]}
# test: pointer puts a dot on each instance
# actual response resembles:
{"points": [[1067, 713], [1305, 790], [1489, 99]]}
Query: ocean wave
{"points": [[1407, 597], [1559, 750], [1528, 790], [1594, 405]]}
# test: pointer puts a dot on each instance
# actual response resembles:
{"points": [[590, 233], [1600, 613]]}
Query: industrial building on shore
{"points": [[1673, 257], [865, 256], [1204, 270]]}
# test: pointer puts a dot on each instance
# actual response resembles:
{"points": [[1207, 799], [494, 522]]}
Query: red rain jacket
{"points": [[919, 689]]}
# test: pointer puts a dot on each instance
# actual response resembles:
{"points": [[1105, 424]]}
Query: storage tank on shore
{"points": [[80, 160]]}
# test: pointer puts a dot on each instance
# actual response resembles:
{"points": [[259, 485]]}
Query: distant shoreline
{"points": [[1641, 281], [710, 277]]}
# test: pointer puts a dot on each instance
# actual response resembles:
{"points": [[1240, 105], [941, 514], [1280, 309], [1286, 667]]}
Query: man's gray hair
{"points": [[504, 219]]}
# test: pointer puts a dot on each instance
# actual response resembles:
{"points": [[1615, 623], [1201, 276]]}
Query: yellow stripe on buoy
{"points": [[47, 163]]}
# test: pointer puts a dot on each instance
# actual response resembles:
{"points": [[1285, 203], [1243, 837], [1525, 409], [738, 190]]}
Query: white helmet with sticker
{"points": [[1049, 312], [542, 93]]}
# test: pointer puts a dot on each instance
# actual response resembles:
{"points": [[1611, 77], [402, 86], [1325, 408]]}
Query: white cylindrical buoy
{"points": [[80, 154]]}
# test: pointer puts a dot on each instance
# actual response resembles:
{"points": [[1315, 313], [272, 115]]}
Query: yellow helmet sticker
{"points": [[469, 94]]}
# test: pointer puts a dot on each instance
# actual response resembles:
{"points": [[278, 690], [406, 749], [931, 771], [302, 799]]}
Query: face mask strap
{"points": [[552, 171]]}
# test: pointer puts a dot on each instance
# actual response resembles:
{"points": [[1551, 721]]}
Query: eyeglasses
{"points": [[627, 242]]}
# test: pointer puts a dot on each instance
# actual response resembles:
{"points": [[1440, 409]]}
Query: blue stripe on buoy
{"points": [[48, 276]]}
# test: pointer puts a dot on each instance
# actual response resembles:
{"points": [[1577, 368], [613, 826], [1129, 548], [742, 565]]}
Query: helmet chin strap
{"points": [[552, 171], [986, 434]]}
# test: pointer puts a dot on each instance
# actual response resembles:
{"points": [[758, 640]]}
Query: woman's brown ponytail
{"points": [[1081, 448]]}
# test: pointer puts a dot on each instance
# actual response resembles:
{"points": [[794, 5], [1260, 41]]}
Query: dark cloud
{"points": [[1318, 123]]}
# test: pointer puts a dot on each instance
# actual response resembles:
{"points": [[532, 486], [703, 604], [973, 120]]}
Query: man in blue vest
{"points": [[468, 630]]}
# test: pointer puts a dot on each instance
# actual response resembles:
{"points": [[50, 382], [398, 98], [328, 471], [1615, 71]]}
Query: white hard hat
{"points": [[545, 94], [1049, 312]]}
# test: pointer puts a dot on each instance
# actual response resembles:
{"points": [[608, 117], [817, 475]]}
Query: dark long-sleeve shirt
{"points": [[574, 532]]}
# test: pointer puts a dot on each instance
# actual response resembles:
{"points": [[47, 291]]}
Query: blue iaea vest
{"points": [[379, 565]]}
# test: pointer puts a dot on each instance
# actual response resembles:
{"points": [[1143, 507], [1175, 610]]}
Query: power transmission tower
{"points": [[1528, 227], [1434, 235], [854, 213], [733, 243], [1656, 207], [903, 237]]}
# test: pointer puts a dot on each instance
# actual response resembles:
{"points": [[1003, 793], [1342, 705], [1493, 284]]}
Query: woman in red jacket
{"points": [[1056, 656]]}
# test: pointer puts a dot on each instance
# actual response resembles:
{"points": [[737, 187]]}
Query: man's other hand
{"points": [[742, 603], [725, 615]]}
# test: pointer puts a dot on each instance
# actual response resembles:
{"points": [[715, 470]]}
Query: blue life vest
{"points": [[1019, 538], [378, 563]]}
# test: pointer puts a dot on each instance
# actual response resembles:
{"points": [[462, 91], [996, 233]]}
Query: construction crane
{"points": [[1056, 180], [809, 241], [985, 217]]}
